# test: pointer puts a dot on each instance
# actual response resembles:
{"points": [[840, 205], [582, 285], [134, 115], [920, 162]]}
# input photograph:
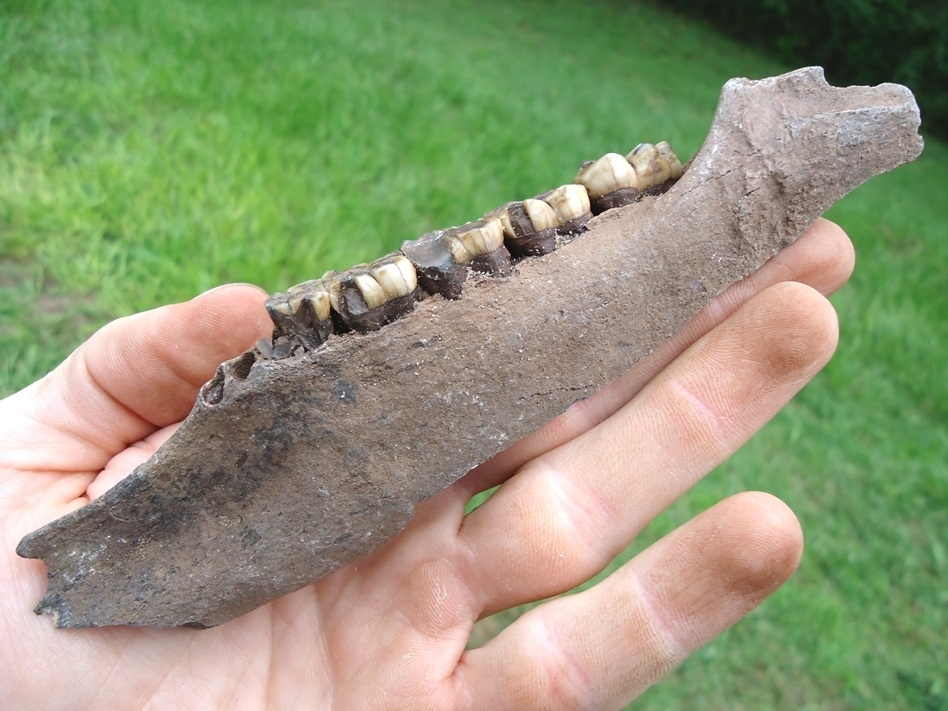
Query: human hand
{"points": [[390, 630]]}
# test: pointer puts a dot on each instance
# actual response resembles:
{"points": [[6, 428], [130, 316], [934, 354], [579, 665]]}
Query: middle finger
{"points": [[566, 514]]}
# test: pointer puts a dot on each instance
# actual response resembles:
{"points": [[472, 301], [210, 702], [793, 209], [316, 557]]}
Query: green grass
{"points": [[149, 151]]}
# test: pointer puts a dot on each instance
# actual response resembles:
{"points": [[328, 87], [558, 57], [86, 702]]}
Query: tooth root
{"points": [[541, 215], [610, 173], [650, 165], [433, 256], [617, 198]]}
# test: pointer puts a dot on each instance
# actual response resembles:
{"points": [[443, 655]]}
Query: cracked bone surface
{"points": [[290, 467]]}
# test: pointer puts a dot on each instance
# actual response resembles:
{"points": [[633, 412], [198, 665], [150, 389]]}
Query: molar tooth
{"points": [[460, 254], [541, 215], [521, 235], [610, 173], [650, 165], [483, 236], [665, 149], [569, 202]]}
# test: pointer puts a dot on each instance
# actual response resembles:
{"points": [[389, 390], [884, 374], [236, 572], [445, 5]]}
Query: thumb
{"points": [[133, 376]]}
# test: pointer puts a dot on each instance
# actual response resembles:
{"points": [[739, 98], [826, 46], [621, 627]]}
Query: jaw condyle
{"points": [[313, 449]]}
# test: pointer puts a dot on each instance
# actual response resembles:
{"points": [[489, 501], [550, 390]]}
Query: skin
{"points": [[389, 632]]}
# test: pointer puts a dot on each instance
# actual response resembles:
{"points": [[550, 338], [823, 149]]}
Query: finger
{"points": [[822, 258], [133, 376], [569, 512], [603, 647]]}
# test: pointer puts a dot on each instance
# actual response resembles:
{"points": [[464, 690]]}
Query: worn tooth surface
{"points": [[395, 274], [666, 151], [571, 205], [521, 237], [610, 173], [481, 237], [650, 165], [301, 315], [359, 301], [569, 202], [542, 216], [317, 299], [435, 258]]}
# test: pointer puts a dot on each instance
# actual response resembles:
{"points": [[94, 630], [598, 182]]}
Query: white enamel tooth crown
{"points": [[665, 149], [372, 293], [395, 274], [569, 202], [650, 165], [438, 262], [610, 173], [482, 237], [318, 299], [541, 215]]}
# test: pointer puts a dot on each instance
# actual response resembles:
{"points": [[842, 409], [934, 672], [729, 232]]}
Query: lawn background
{"points": [[150, 151]]}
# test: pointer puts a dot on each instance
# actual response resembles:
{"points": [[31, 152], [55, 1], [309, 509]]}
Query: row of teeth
{"points": [[368, 296]]}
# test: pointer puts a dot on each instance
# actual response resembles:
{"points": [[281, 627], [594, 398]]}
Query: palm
{"points": [[390, 631]]}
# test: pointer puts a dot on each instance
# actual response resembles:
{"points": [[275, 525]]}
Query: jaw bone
{"points": [[290, 468]]}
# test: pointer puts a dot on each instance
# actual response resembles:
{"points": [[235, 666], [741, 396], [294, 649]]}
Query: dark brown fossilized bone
{"points": [[313, 449]]}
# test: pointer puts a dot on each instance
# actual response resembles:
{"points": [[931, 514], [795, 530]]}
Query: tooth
{"points": [[677, 170], [318, 300], [459, 251], [372, 293], [569, 202], [301, 316], [610, 173], [541, 215], [483, 236], [434, 257], [391, 276], [521, 236], [650, 165], [407, 270]]}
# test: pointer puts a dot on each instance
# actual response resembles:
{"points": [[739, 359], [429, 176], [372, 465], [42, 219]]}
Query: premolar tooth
{"points": [[650, 165], [301, 315], [372, 293], [395, 275], [610, 173], [434, 257], [569, 202], [318, 300], [407, 270]]}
